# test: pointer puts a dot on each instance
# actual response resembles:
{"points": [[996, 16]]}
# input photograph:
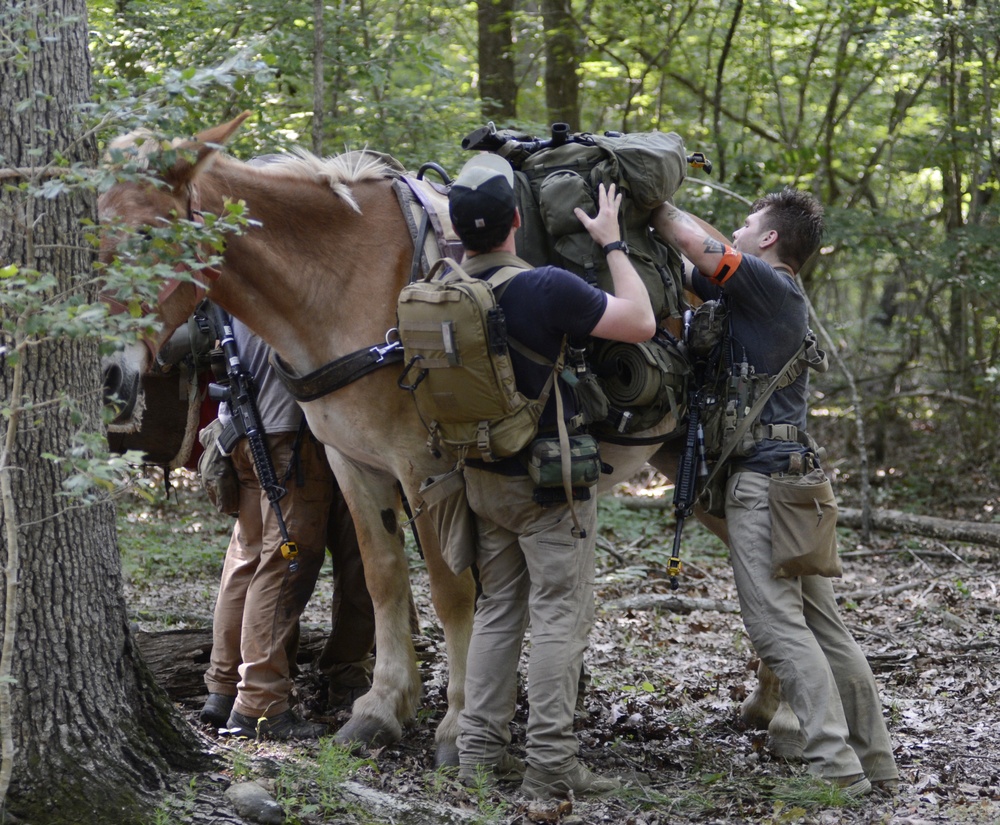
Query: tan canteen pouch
{"points": [[803, 526], [443, 498]]}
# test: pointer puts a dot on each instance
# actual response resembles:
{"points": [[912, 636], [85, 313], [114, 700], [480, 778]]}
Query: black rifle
{"points": [[490, 139], [690, 468], [240, 393], [703, 343]]}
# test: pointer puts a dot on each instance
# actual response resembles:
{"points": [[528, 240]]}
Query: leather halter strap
{"points": [[201, 274], [338, 373]]}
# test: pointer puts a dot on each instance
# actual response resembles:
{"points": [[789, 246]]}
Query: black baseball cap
{"points": [[482, 196]]}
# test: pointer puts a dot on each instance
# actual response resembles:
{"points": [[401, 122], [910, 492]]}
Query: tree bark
{"points": [[562, 87], [497, 84], [319, 69], [92, 733]]}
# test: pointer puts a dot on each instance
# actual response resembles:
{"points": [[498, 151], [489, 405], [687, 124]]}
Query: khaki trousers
{"points": [[532, 570], [797, 631], [262, 594]]}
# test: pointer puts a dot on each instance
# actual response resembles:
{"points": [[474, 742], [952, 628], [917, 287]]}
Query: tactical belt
{"points": [[780, 432]]}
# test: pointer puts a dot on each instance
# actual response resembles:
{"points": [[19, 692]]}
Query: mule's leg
{"points": [[759, 707], [454, 600], [378, 717], [764, 709]]}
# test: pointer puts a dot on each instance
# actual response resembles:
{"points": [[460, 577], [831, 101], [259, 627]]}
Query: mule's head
{"points": [[168, 191]]}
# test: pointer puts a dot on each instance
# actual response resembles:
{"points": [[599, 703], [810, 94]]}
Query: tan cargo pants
{"points": [[797, 631], [262, 594], [532, 570]]}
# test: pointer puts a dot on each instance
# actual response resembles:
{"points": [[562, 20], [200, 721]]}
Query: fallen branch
{"points": [[179, 658], [890, 521], [973, 532], [861, 595], [394, 807], [675, 604]]}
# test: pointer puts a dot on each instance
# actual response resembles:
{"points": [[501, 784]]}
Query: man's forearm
{"points": [[628, 285], [698, 241]]}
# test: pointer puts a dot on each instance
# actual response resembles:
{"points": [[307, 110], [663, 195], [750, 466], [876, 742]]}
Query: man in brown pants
{"points": [[262, 594]]}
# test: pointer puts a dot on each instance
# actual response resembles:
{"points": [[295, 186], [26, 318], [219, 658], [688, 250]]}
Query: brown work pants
{"points": [[262, 593]]}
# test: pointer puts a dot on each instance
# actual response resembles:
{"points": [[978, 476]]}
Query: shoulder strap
{"points": [[503, 276], [564, 450]]}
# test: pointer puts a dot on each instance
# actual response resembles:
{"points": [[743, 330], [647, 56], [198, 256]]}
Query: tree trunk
{"points": [[92, 734], [562, 87], [497, 85], [319, 67]]}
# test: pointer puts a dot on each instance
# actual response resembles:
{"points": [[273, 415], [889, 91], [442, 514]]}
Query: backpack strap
{"points": [[501, 278], [755, 412], [564, 449]]}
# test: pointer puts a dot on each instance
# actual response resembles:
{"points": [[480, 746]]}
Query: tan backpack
{"points": [[458, 367]]}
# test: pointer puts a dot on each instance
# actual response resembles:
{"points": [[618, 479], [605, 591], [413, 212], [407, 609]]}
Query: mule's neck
{"points": [[312, 276]]}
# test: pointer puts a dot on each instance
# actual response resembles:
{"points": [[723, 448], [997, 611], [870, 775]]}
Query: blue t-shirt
{"points": [[769, 318]]}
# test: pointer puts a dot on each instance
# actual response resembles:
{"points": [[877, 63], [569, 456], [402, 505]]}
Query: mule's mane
{"points": [[337, 172]]}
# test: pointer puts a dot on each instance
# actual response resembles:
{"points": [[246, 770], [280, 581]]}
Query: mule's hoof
{"points": [[756, 715], [360, 732], [784, 737], [446, 755], [790, 748]]}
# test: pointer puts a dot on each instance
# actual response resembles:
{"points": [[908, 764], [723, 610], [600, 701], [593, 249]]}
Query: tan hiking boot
{"points": [[508, 769], [854, 786], [579, 780], [885, 787]]}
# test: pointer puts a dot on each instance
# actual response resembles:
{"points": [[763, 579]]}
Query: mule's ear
{"points": [[197, 155], [221, 134]]}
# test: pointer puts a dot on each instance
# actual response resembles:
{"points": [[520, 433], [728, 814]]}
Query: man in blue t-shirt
{"points": [[532, 568], [793, 622]]}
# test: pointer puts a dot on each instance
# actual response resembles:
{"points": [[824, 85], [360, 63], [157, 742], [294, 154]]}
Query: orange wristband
{"points": [[727, 266]]}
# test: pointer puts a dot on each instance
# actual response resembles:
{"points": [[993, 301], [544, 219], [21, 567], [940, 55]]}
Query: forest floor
{"points": [[663, 708]]}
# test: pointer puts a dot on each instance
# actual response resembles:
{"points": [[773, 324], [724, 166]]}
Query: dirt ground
{"points": [[662, 711]]}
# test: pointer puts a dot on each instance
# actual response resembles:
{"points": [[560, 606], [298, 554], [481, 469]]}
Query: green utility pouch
{"points": [[545, 461]]}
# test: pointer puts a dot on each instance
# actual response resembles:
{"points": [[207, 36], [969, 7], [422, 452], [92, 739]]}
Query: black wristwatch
{"points": [[611, 247]]}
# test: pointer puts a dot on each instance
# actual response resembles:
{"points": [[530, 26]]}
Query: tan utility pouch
{"points": [[444, 500], [218, 476], [803, 526]]}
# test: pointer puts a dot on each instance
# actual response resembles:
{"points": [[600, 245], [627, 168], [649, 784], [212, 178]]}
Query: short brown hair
{"points": [[797, 217]]}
